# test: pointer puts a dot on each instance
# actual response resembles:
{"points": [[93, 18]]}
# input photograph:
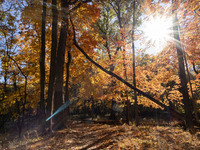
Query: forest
{"points": [[99, 74]]}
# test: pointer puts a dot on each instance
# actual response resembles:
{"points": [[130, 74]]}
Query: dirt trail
{"points": [[81, 136]]}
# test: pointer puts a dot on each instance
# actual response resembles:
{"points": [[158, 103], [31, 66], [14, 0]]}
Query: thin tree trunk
{"points": [[59, 99], [127, 108], [15, 90], [186, 101], [67, 82], [52, 63], [134, 80], [126, 92], [42, 68]]}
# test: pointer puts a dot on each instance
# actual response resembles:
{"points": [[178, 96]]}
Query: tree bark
{"points": [[186, 101], [52, 63], [42, 68], [59, 99]]}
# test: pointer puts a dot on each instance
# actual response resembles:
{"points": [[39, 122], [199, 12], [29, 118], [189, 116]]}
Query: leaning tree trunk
{"points": [[42, 68], [186, 101], [52, 63], [58, 96]]}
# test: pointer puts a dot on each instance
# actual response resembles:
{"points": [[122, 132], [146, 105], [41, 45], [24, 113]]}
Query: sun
{"points": [[157, 30]]}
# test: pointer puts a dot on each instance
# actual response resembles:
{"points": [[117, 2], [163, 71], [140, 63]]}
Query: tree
{"points": [[58, 96], [42, 67], [134, 80], [186, 101], [53, 62]]}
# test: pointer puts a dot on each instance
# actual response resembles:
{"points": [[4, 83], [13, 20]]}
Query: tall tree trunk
{"points": [[67, 82], [59, 99], [52, 63], [186, 101], [134, 81], [42, 68]]}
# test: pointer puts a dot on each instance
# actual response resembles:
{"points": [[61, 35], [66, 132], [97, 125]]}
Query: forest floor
{"points": [[77, 135]]}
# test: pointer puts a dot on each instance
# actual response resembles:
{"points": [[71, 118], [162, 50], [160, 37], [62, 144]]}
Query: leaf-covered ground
{"points": [[81, 136]]}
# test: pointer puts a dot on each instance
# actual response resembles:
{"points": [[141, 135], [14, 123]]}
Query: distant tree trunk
{"points": [[127, 109], [21, 119], [67, 82], [52, 64], [113, 103], [112, 115], [84, 109], [59, 99], [4, 94], [18, 119], [126, 92], [134, 80], [42, 68], [15, 90], [92, 99], [186, 101]]}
